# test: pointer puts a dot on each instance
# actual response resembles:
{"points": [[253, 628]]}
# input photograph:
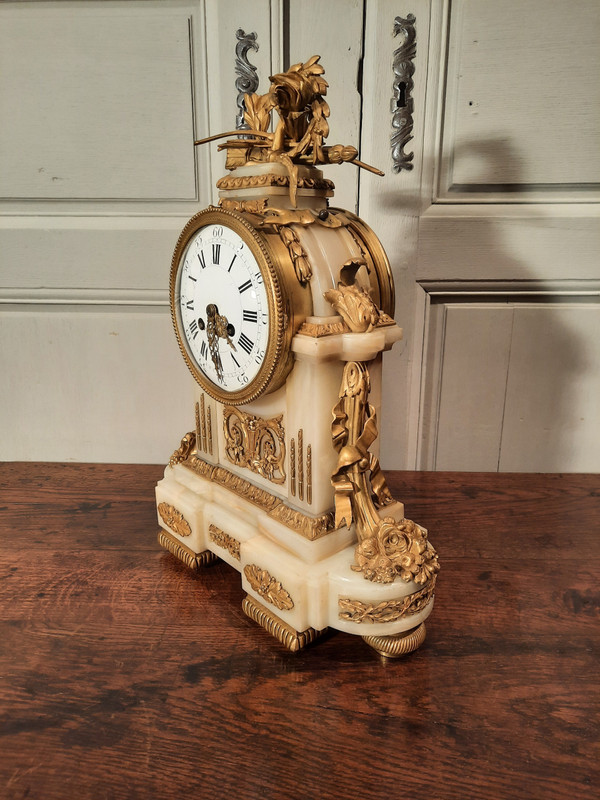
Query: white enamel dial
{"points": [[223, 307]]}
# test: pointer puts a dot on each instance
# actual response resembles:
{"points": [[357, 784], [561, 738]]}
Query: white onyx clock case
{"points": [[282, 307]]}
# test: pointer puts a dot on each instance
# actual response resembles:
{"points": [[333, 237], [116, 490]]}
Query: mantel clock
{"points": [[282, 306]]}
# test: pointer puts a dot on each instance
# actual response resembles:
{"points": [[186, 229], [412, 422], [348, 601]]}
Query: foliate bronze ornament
{"points": [[386, 548], [387, 611], [298, 97], [357, 309], [258, 111], [248, 206], [229, 182], [199, 466], [317, 330], [302, 266], [397, 548], [303, 217], [268, 588], [254, 494], [224, 540], [244, 488], [255, 443], [184, 450], [354, 429], [309, 527], [174, 519]]}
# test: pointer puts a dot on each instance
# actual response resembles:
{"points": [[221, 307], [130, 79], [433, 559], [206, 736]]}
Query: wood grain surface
{"points": [[124, 675]]}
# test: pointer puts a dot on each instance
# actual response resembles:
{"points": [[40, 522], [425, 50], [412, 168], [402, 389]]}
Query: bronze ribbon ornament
{"points": [[354, 414], [387, 548]]}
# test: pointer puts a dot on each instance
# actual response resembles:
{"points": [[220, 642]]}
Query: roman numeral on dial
{"points": [[202, 260], [194, 329], [250, 316], [216, 248], [204, 350], [245, 343], [244, 286]]}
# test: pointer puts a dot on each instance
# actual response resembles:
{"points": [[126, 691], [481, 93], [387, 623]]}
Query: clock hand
{"points": [[223, 326], [213, 338]]}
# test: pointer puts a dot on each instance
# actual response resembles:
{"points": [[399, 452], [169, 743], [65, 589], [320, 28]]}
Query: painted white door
{"points": [[494, 236]]}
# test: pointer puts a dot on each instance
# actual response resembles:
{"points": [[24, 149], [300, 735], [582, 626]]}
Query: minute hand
{"points": [[221, 326]]}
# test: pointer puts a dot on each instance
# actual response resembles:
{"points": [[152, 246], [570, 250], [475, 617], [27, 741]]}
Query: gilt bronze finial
{"points": [[298, 97]]}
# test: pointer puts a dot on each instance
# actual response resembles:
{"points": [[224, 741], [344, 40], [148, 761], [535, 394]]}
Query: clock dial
{"points": [[224, 308], [229, 307]]}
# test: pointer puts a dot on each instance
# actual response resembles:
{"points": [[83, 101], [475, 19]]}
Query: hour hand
{"points": [[213, 338]]}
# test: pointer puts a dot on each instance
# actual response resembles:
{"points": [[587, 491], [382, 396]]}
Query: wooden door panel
{"points": [[509, 242], [513, 386], [467, 362], [91, 383], [91, 252], [552, 410], [521, 99], [99, 104]]}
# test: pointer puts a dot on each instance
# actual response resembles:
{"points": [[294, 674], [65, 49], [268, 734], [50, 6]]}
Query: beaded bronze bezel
{"points": [[277, 361]]}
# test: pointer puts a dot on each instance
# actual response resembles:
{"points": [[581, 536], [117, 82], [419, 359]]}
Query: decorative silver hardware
{"points": [[247, 80], [402, 105]]}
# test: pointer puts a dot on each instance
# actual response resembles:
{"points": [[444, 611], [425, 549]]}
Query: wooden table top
{"points": [[124, 675]]}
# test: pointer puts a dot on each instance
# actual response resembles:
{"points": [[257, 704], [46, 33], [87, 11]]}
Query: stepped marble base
{"points": [[299, 578]]}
